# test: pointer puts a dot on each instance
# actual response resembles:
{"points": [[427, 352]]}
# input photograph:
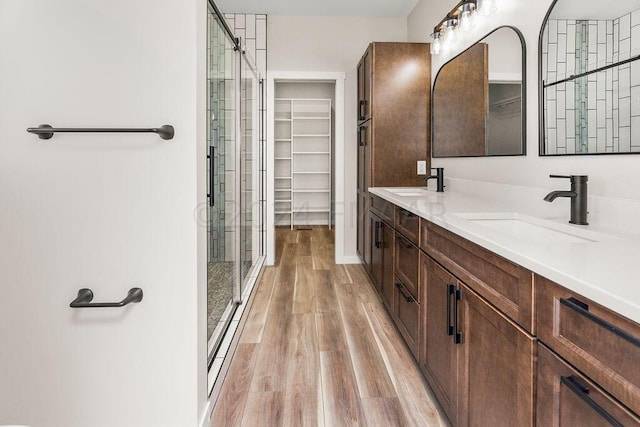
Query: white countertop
{"points": [[607, 272]]}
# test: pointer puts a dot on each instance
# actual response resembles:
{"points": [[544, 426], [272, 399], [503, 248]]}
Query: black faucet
{"points": [[578, 195], [439, 176]]}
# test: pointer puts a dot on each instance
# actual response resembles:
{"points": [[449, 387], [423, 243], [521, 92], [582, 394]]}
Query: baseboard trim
{"points": [[354, 259]]}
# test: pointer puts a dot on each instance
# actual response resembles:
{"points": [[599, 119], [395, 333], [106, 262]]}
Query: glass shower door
{"points": [[222, 213]]}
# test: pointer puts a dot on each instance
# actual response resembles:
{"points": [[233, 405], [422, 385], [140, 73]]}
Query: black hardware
{"points": [[85, 296], [407, 296], [583, 309], [578, 196], [361, 133], [47, 131], [362, 104], [212, 174], [439, 176], [406, 212], [378, 226], [458, 335], [597, 70], [223, 21], [451, 290], [405, 243], [582, 391]]}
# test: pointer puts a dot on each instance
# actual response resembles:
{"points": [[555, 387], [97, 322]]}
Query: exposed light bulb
{"points": [[466, 17], [436, 43]]}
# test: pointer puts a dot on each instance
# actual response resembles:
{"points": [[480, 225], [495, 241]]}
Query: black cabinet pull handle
{"points": [[378, 226], [85, 296], [582, 391], [361, 133], [451, 290], [457, 338], [407, 296], [362, 104], [583, 309], [212, 175], [405, 243], [406, 213]]}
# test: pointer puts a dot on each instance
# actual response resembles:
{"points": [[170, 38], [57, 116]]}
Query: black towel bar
{"points": [[47, 131]]}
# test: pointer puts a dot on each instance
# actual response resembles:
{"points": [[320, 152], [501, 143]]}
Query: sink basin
{"points": [[532, 229], [408, 192]]}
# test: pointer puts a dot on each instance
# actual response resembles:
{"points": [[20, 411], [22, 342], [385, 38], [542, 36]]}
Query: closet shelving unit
{"points": [[303, 162]]}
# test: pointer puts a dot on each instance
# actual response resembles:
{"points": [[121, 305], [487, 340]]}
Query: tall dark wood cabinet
{"points": [[394, 124]]}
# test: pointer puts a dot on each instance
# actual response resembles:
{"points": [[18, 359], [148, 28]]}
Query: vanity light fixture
{"points": [[460, 18], [466, 15]]}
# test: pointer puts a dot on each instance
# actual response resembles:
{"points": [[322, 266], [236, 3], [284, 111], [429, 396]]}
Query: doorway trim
{"points": [[307, 76]]}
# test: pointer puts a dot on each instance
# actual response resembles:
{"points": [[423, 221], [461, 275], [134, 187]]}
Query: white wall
{"points": [[610, 176], [301, 43], [108, 212]]}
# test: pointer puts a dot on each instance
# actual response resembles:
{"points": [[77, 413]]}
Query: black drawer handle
{"points": [[583, 309], [407, 296], [85, 296], [378, 226], [582, 391], [212, 174], [362, 104], [361, 133], [406, 212], [403, 242], [451, 290], [457, 338]]}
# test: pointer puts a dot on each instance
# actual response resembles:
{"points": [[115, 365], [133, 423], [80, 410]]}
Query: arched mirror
{"points": [[478, 99], [590, 78]]}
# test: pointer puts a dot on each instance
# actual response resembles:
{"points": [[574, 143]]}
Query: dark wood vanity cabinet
{"points": [[394, 119], [477, 361], [565, 397], [381, 271], [601, 344]]}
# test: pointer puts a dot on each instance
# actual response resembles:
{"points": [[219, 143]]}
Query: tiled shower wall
{"points": [[600, 112], [252, 30]]}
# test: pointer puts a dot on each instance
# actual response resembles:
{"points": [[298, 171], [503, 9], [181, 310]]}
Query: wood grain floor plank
{"points": [[322, 256], [384, 411], [264, 409], [252, 332], [304, 292], [326, 300], [301, 400], [271, 366], [339, 274], [413, 392], [339, 390], [230, 407], [371, 374]]}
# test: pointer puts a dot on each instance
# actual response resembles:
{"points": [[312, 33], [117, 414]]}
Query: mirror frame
{"points": [[541, 122], [524, 94]]}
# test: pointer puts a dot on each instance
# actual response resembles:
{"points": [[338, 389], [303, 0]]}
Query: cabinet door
{"points": [[566, 398], [377, 254], [407, 317], [364, 86], [388, 284], [495, 366], [438, 351]]}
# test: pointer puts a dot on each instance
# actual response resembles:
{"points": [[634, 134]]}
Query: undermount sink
{"points": [[408, 192], [528, 228]]}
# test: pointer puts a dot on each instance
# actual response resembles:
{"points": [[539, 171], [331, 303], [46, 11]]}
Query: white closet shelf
{"points": [[283, 189], [311, 191], [310, 152], [311, 211], [317, 135], [282, 158], [283, 177], [283, 139], [282, 120], [310, 118], [311, 173]]}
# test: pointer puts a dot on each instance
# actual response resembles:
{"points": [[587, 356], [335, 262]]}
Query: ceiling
{"points": [[387, 8]]}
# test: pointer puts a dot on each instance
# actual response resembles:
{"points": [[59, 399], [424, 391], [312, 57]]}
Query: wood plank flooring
{"points": [[319, 349]]}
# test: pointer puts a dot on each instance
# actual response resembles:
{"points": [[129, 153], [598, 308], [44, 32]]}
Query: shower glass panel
{"points": [[223, 255], [250, 235]]}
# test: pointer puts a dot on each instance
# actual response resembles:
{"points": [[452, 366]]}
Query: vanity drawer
{"points": [[600, 343], [566, 398], [407, 313], [408, 224], [508, 286], [382, 208], [407, 264]]}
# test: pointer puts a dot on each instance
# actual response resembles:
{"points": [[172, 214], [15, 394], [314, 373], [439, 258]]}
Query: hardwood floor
{"points": [[318, 348]]}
